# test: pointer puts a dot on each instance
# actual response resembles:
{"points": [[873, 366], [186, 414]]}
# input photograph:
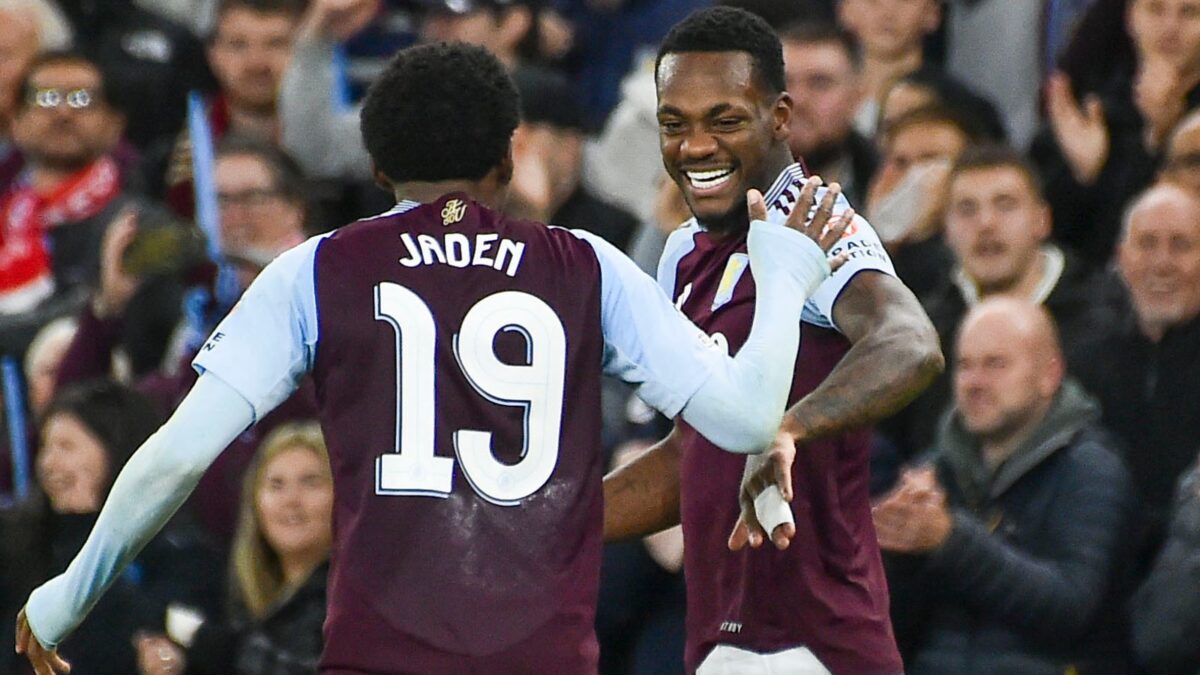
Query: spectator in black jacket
{"points": [[1166, 610], [1143, 366], [277, 571], [1007, 554], [1096, 154], [997, 224]]}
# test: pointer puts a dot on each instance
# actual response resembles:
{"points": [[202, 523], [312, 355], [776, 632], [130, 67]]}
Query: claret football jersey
{"points": [[827, 591], [457, 358]]}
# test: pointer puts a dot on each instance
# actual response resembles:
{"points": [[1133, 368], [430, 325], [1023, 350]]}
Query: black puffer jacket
{"points": [[1031, 577]]}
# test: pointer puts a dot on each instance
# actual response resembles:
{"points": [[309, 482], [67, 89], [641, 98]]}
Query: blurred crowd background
{"points": [[1046, 150]]}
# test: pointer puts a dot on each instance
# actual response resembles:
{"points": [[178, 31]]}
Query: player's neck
{"points": [[426, 192]]}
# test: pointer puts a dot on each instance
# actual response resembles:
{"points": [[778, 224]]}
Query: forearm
{"points": [[148, 491], [642, 497], [740, 406], [324, 140], [880, 375], [895, 354]]}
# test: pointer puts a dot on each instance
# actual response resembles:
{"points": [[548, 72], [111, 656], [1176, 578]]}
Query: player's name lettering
{"points": [[458, 250]]}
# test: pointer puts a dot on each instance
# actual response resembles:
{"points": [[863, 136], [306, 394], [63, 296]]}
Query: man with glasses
{"points": [[54, 215]]}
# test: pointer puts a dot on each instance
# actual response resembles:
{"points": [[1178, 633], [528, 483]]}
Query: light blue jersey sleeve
{"points": [[734, 401], [268, 341], [647, 341]]}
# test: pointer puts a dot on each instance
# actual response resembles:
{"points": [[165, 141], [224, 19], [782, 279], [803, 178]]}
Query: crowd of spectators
{"points": [[1033, 168]]}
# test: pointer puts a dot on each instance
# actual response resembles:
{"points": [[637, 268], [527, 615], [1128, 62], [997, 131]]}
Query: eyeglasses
{"points": [[53, 97], [251, 198]]}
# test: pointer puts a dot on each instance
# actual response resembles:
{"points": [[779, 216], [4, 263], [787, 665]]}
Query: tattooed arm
{"points": [[895, 355]]}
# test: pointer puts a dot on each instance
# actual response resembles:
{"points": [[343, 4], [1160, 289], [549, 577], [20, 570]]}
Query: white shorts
{"points": [[727, 660]]}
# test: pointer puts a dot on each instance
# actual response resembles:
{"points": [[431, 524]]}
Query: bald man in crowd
{"points": [[1144, 371], [1019, 521]]}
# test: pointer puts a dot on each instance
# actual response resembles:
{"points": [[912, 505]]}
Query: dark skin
{"points": [[715, 113]]}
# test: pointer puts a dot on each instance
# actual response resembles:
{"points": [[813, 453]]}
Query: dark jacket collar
{"points": [[1072, 410]]}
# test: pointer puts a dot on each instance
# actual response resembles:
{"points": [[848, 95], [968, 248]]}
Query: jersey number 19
{"points": [[537, 386]]}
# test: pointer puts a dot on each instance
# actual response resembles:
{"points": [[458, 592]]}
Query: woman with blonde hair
{"points": [[277, 570]]}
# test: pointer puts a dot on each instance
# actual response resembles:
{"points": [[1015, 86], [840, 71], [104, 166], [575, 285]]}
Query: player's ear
{"points": [[380, 179], [782, 116], [504, 170]]}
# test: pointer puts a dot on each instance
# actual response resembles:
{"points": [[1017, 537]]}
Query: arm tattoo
{"points": [[895, 355]]}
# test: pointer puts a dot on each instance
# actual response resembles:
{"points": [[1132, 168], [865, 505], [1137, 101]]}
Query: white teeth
{"points": [[708, 179]]}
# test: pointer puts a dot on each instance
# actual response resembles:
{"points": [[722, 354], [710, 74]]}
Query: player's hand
{"points": [[820, 225], [158, 655], [1081, 132], [771, 468], [45, 661]]}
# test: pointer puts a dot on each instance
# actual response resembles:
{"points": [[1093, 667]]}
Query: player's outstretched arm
{"points": [[738, 407], [148, 491]]}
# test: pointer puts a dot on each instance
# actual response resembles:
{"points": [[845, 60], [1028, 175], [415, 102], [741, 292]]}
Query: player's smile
{"points": [[710, 182]]}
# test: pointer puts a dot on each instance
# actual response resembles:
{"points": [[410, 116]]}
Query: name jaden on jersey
{"points": [[458, 250]]}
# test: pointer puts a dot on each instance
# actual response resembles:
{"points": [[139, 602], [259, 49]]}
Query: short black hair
{"points": [[548, 97], [440, 112], [286, 173], [729, 29]]}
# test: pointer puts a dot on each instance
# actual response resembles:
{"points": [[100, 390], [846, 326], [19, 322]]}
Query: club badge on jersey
{"points": [[734, 269]]}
